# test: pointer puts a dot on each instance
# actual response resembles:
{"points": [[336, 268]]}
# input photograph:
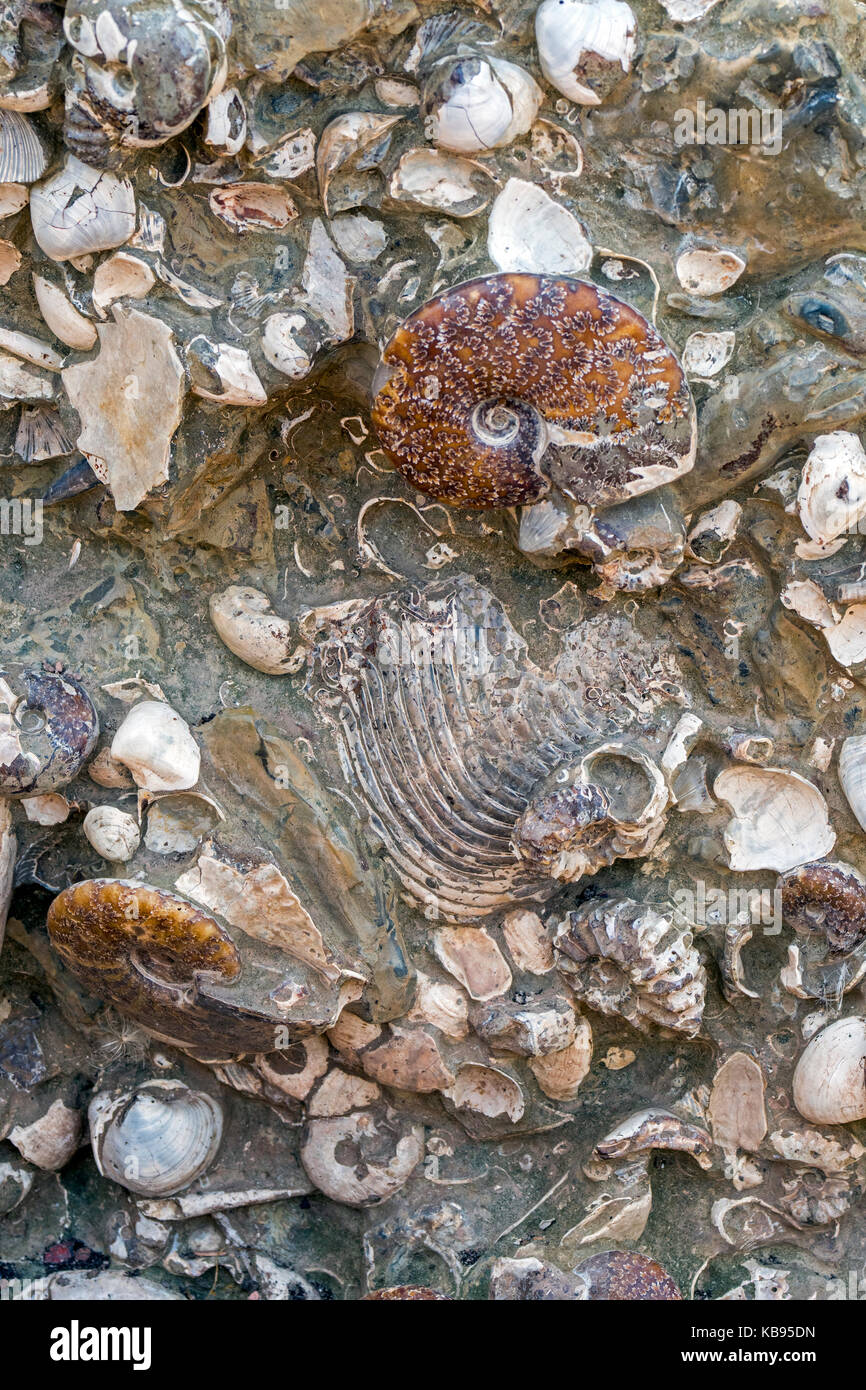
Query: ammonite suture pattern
{"points": [[480, 385]]}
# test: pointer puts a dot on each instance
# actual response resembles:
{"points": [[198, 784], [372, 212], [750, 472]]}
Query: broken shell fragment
{"points": [[129, 398], [222, 372], [251, 629], [226, 127], [705, 354], [529, 231], [472, 956], [736, 1110], [48, 729], [113, 833], [362, 1158], [247, 207], [121, 276], [157, 1139], [830, 1077], [441, 182], [655, 1128], [61, 316], [780, 818], [476, 385], [22, 157], [585, 49], [155, 743], [80, 210], [488, 1093]]}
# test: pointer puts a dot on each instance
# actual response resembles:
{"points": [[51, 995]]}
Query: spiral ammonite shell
{"points": [[479, 385]]}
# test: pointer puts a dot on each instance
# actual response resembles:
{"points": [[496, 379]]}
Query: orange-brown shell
{"points": [[825, 898], [572, 356], [147, 951], [625, 1275]]}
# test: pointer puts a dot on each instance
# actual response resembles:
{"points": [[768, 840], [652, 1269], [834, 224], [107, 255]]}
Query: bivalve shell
{"points": [[830, 1077], [157, 1139]]}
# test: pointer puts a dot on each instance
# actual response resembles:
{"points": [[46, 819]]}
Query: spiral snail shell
{"points": [[480, 385]]}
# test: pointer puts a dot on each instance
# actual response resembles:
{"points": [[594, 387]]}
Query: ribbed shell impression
{"points": [[445, 728]]}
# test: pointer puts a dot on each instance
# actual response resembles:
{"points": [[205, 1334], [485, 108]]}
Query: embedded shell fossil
{"points": [[157, 1139]]}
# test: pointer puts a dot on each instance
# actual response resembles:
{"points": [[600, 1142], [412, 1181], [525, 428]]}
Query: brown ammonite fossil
{"points": [[506, 385], [164, 963]]}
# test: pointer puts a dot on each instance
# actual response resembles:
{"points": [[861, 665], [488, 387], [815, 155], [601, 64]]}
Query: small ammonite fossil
{"points": [[506, 385], [48, 728]]}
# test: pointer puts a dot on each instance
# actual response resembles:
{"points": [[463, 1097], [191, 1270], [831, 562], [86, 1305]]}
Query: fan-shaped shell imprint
{"points": [[476, 385], [446, 728]]}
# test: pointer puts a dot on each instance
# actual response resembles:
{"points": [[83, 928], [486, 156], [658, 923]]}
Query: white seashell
{"points": [[847, 639], [61, 316], [441, 181], [557, 151], [121, 276], [358, 237], [529, 231], [684, 11], [780, 819], [48, 809], [852, 774], [361, 1158], [279, 345], [226, 127], [236, 381], [31, 349], [10, 260], [705, 354], [831, 498], [22, 158], [157, 1139], [113, 833], [392, 91], [80, 210], [246, 622], [708, 270], [246, 207], [830, 1077], [13, 197], [585, 48], [157, 747]]}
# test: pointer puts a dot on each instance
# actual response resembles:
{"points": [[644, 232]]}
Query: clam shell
{"points": [[155, 743], [247, 207], [852, 775], [831, 498], [157, 1139], [80, 210], [780, 818], [829, 1085], [22, 158]]}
